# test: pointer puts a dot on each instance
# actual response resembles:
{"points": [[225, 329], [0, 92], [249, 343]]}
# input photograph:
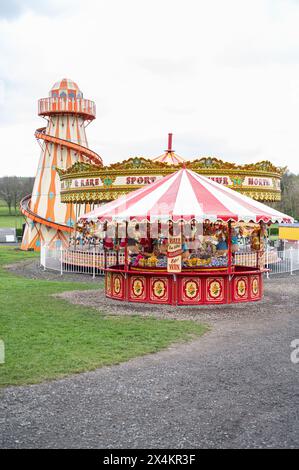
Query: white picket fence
{"points": [[92, 261], [277, 262], [287, 261]]}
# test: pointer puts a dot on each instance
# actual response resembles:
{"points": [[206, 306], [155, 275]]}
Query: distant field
{"points": [[11, 221], [7, 220]]}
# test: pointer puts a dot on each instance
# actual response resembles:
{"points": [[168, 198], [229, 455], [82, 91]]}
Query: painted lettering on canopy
{"points": [[258, 182], [140, 179], [220, 179], [88, 182]]}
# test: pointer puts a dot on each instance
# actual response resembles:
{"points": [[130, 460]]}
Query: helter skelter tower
{"points": [[63, 143]]}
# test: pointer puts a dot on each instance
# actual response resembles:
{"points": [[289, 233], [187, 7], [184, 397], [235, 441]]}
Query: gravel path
{"points": [[275, 295], [32, 270], [233, 387]]}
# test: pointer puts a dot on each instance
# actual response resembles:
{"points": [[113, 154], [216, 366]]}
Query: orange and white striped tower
{"points": [[63, 143]]}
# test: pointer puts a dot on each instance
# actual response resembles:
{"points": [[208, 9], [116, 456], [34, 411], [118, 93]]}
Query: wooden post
{"points": [[118, 246], [105, 228], [126, 248], [75, 227], [260, 252], [229, 246], [105, 256]]}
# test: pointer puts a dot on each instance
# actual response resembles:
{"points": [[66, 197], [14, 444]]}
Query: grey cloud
{"points": [[12, 9], [166, 66], [19, 101], [250, 57], [180, 110], [191, 145], [187, 145]]}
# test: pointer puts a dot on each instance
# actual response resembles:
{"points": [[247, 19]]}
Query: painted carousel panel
{"points": [[216, 290], [160, 289], [190, 290], [240, 288], [138, 289]]}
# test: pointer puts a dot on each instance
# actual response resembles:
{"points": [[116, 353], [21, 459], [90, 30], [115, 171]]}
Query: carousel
{"points": [[181, 241]]}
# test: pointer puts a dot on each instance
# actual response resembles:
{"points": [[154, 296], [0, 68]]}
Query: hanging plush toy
{"points": [[235, 244], [255, 240], [221, 246]]}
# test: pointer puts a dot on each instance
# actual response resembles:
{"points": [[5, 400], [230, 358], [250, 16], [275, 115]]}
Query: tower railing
{"points": [[67, 105]]}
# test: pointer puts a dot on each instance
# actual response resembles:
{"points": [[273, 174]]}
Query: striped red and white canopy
{"points": [[185, 195]]}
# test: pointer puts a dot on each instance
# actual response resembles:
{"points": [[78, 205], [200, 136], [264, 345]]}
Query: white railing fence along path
{"points": [[92, 261], [287, 262]]}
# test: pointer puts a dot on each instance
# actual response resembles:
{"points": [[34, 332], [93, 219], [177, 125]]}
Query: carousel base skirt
{"points": [[185, 288]]}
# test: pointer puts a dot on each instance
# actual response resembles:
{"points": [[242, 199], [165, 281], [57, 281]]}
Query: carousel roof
{"points": [[170, 158], [186, 195]]}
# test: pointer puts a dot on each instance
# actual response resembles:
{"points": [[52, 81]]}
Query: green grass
{"points": [[46, 337], [10, 221]]}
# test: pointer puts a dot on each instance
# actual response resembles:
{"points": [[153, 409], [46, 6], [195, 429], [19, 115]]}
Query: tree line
{"points": [[13, 189], [289, 203]]}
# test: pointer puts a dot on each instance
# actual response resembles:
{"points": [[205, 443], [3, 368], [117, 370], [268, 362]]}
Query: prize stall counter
{"points": [[199, 273], [196, 287]]}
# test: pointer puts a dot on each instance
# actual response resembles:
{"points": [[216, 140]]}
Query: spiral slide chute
{"points": [[49, 220], [27, 212], [86, 152]]}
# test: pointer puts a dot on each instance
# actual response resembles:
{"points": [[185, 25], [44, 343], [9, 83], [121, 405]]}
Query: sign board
{"points": [[289, 233], [247, 181], [143, 180], [174, 254], [87, 183], [8, 235]]}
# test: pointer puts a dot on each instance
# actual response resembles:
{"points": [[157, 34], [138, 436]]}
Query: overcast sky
{"points": [[223, 76]]}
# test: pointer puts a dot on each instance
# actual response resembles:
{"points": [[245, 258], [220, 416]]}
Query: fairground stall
{"points": [[181, 241]]}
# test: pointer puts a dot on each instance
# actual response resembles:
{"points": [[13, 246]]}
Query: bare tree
{"points": [[25, 188], [6, 191], [289, 203], [13, 189], [27, 185]]}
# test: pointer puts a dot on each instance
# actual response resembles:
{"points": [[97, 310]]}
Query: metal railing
{"points": [[58, 105], [92, 260], [287, 261], [277, 262]]}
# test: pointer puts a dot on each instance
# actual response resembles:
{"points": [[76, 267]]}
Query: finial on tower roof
{"points": [[169, 143]]}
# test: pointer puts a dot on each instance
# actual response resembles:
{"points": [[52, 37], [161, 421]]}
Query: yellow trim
{"points": [[149, 167], [109, 194], [102, 172], [288, 233], [146, 270]]}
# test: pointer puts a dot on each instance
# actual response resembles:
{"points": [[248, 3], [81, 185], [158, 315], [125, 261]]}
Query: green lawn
{"points": [[10, 221], [46, 338]]}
